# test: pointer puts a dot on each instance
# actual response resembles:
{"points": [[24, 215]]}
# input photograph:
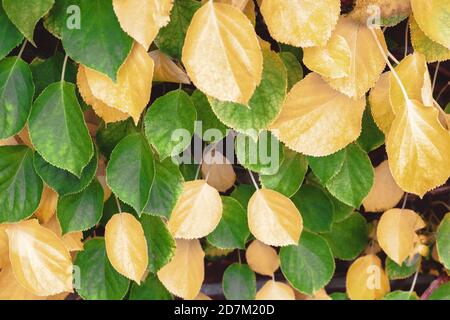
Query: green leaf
{"points": [[243, 193], [25, 16], [338, 296], [396, 272], [20, 186], [46, 72], [315, 207], [297, 52], [81, 211], [341, 210], [110, 208], [348, 238], [160, 243], [443, 241], [290, 175], [232, 231], [325, 168], [108, 136], [10, 37], [239, 282], [99, 43], [293, 67], [98, 279], [57, 17], [264, 155], [169, 113], [401, 295], [58, 131], [150, 289], [309, 266], [131, 171], [189, 171], [62, 181], [16, 95], [265, 104], [371, 137], [170, 39], [166, 189], [207, 117], [441, 293]]}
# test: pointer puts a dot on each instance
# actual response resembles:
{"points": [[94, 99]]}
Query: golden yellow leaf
{"points": [[72, 240], [380, 103], [262, 259], [39, 259], [317, 120], [432, 18], [4, 252], [246, 6], [418, 149], [396, 233], [142, 19], [391, 11], [218, 171], [319, 295], [366, 279], [183, 275], [301, 23], [202, 296], [197, 212], [47, 206], [126, 246], [366, 61], [107, 113], [274, 290], [11, 289], [131, 93], [166, 70], [274, 219], [385, 193], [221, 53]]}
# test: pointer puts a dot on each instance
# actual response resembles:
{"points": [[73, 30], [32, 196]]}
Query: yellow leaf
{"points": [[4, 252], [366, 61], [107, 113], [274, 290], [432, 18], [432, 50], [332, 61], [72, 240], [221, 53], [142, 19], [166, 70], [131, 93], [202, 296], [184, 274], [391, 12], [273, 218], [39, 259], [301, 23], [262, 258], [218, 171], [198, 211], [246, 6], [126, 246], [11, 289], [418, 149], [396, 233], [317, 120], [385, 193], [366, 279], [380, 103], [47, 206]]}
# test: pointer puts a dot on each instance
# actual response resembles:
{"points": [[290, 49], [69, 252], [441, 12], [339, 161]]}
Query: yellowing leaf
{"points": [[166, 70], [197, 212], [396, 233], [218, 171], [301, 23], [274, 290], [107, 113], [202, 296], [262, 258], [432, 18], [385, 193], [221, 53], [317, 120], [131, 93], [11, 289], [4, 252], [366, 279], [142, 19], [24, 137], [246, 6], [72, 240], [183, 275], [8, 142], [418, 149], [126, 246], [39, 259], [47, 206], [366, 61], [380, 103], [273, 218]]}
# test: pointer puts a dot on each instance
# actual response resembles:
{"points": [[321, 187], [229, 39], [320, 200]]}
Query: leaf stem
{"points": [[414, 281], [435, 75], [404, 200], [63, 72], [406, 39], [119, 207], [253, 180], [22, 49]]}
